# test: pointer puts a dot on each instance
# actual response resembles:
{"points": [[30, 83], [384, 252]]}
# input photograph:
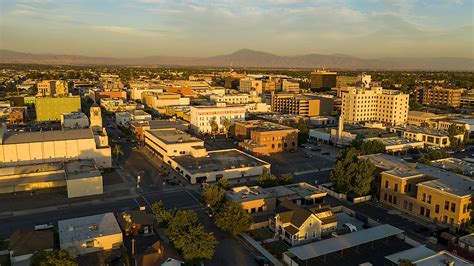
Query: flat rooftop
{"points": [[172, 136], [88, 227], [412, 254], [387, 162], [160, 124], [261, 125], [454, 163], [423, 114], [393, 141], [468, 239], [43, 136], [75, 115], [441, 258], [246, 193], [81, 169], [218, 161], [423, 130]]}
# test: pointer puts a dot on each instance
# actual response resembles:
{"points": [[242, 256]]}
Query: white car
{"points": [[350, 226]]}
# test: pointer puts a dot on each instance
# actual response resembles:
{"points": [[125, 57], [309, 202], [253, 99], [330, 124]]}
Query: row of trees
{"points": [[52, 258], [215, 126], [186, 232], [229, 216]]}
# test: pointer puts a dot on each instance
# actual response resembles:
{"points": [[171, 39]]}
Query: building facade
{"points": [[249, 84], [439, 96], [50, 88], [323, 79], [375, 104], [303, 105], [201, 116]]}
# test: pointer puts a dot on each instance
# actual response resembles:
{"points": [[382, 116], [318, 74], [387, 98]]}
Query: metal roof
{"points": [[335, 244]]}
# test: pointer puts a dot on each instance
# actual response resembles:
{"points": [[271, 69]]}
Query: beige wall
{"points": [[100, 243], [84, 187]]}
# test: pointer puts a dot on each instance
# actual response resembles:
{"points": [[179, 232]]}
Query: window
{"points": [[386, 184], [429, 199], [436, 208], [305, 235], [394, 200], [464, 208], [395, 187], [385, 196], [445, 219], [423, 197], [422, 211], [390, 198], [90, 244], [453, 207], [451, 221], [446, 205]]}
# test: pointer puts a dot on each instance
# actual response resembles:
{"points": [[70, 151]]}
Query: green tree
{"points": [[162, 215], [53, 258], [363, 177], [214, 127], [266, 179], [233, 218], [214, 196], [226, 123], [303, 132], [189, 237], [432, 156], [368, 147], [285, 179], [454, 131], [223, 183]]}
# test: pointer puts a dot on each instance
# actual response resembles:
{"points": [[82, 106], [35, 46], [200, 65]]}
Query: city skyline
{"points": [[371, 29]]}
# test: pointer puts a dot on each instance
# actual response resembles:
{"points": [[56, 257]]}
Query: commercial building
{"points": [[201, 116], [375, 104], [251, 84], [88, 234], [160, 100], [422, 256], [74, 120], [115, 94], [240, 98], [182, 90], [25, 148], [188, 156], [289, 85], [428, 192], [51, 108], [321, 79], [125, 118], [455, 165], [17, 115], [397, 144], [80, 177], [136, 92], [431, 137], [50, 88], [303, 105], [139, 127], [439, 96], [264, 137], [418, 118], [118, 105], [297, 225]]}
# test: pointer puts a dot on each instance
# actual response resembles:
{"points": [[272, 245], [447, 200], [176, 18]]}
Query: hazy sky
{"points": [[119, 28]]}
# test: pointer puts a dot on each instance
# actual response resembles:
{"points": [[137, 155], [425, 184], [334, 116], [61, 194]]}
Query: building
{"points": [[139, 127], [321, 79], [88, 234], [136, 92], [95, 118], [160, 100], [201, 116], [52, 88], [303, 105], [24, 148], [422, 256], [17, 115], [439, 96], [258, 200], [258, 108], [425, 191], [297, 225], [262, 137], [418, 118], [397, 144], [25, 243], [136, 222], [125, 118], [240, 98], [51, 108], [182, 90], [250, 84], [81, 178], [455, 165], [289, 85], [118, 105], [171, 142], [74, 120], [431, 137], [375, 104], [115, 94]]}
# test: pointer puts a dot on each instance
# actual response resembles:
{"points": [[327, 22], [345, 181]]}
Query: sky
{"points": [[138, 28]]}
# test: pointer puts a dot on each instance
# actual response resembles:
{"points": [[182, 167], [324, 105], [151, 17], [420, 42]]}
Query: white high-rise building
{"points": [[375, 104]]}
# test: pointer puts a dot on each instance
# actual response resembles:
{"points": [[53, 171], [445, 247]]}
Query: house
{"points": [[152, 255], [297, 225], [90, 234], [25, 243], [136, 222]]}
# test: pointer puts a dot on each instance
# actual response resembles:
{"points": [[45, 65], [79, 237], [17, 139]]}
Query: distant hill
{"points": [[250, 58]]}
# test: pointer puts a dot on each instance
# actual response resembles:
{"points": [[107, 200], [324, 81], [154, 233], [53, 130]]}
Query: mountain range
{"points": [[250, 59]]}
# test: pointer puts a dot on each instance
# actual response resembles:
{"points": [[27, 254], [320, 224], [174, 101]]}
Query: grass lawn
{"points": [[261, 234], [276, 248]]}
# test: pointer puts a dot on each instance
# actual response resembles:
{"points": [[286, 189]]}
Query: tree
{"points": [[189, 237], [433, 155], [53, 258], [214, 196], [405, 262], [233, 218], [454, 131], [117, 150], [214, 127], [162, 215], [226, 124], [368, 147], [223, 183], [303, 132], [363, 177], [285, 179], [266, 179]]}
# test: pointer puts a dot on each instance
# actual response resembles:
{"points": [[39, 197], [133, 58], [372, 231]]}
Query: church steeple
{"points": [[95, 118]]}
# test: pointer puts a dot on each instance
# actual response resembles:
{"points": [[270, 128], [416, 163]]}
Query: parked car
{"points": [[209, 213], [350, 227]]}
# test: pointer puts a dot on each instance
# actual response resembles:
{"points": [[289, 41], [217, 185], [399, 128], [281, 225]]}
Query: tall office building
{"points": [[375, 104], [439, 96], [249, 84], [304, 105], [321, 79]]}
